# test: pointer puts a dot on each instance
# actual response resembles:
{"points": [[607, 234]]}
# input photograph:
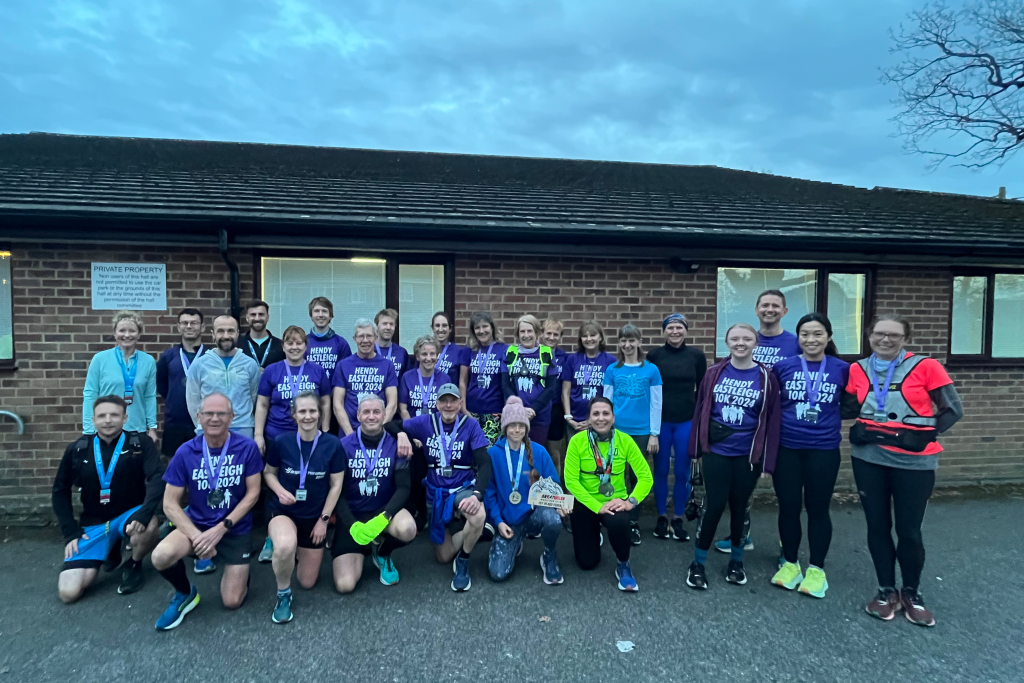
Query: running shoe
{"points": [[549, 565], [725, 545], [734, 573], [678, 532], [696, 577], [132, 578], [533, 536], [913, 607], [283, 610], [661, 528], [885, 605], [386, 565], [461, 582], [181, 605], [789, 576], [814, 584], [600, 540], [206, 566], [634, 532], [624, 573], [267, 554]]}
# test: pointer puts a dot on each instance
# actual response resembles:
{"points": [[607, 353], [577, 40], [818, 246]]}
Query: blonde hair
{"points": [[425, 340], [553, 323], [746, 326], [132, 316], [532, 322]]}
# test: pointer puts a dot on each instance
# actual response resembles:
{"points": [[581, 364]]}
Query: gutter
{"points": [[236, 297]]}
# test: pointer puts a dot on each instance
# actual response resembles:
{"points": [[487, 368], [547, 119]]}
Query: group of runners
{"points": [[358, 452]]}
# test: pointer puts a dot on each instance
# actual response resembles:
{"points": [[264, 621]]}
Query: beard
{"points": [[226, 344], [257, 326]]}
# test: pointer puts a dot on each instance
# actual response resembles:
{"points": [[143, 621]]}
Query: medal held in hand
{"points": [[548, 493], [215, 498]]}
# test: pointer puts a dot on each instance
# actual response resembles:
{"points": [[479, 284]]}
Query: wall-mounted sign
{"points": [[134, 286]]}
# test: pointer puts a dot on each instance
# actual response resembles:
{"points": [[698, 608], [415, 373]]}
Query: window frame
{"points": [[392, 261], [822, 272], [988, 324], [12, 362]]}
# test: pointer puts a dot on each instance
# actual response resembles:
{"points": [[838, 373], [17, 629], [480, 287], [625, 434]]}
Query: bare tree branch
{"points": [[960, 82]]}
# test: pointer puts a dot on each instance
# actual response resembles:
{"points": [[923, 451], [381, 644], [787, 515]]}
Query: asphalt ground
{"points": [[523, 630]]}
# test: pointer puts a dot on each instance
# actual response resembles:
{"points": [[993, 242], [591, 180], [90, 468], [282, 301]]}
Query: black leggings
{"points": [[586, 531], [727, 482], [886, 490], [805, 478]]}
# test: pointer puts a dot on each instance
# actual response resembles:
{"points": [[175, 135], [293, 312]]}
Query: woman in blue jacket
{"points": [[517, 464]]}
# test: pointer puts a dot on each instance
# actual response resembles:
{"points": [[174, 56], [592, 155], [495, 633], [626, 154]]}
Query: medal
{"points": [[483, 380], [812, 388], [811, 415], [446, 443], [515, 497], [447, 471], [105, 476], [215, 498], [604, 467], [300, 493], [127, 372], [371, 482], [880, 416], [606, 489]]}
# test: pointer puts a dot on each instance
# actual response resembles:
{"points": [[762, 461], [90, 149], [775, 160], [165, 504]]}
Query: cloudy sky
{"points": [[785, 86]]}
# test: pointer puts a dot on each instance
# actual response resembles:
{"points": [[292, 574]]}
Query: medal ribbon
{"points": [[481, 359], [304, 466], [881, 392], [214, 477], [294, 381], [391, 350], [127, 371], [108, 475], [601, 466], [185, 363], [447, 445], [424, 395], [519, 471], [263, 362], [812, 390]]}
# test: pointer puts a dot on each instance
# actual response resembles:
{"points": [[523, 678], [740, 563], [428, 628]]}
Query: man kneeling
{"points": [[221, 470], [118, 473]]}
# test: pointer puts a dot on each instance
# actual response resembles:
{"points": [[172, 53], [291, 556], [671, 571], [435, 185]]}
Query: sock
{"points": [[176, 576], [463, 555], [736, 552], [390, 545], [700, 556], [284, 592], [132, 563]]}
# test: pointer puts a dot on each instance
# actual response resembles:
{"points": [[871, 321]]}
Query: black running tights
{"points": [[728, 482], [805, 478]]}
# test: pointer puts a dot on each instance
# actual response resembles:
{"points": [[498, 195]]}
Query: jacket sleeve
{"points": [[491, 503], [698, 420], [90, 392], [62, 507], [162, 369], [950, 409], [656, 401], [149, 397], [154, 470], [482, 461], [546, 396], [774, 424], [403, 484], [193, 390]]}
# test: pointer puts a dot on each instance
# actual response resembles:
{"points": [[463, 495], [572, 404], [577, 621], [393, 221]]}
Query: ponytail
{"points": [[528, 447]]}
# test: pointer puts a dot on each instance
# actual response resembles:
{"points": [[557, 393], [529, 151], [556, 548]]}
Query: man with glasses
{"points": [[171, 370], [258, 343], [226, 371], [366, 372], [221, 471]]}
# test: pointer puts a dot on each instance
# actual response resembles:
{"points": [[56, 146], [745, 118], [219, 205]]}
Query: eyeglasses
{"points": [[190, 324], [221, 415], [891, 336]]}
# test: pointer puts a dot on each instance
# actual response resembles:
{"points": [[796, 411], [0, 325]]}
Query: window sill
{"points": [[983, 362]]}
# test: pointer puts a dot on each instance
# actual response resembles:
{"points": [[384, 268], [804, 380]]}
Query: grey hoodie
{"points": [[238, 381]]}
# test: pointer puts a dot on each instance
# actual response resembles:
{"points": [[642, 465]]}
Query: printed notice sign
{"points": [[135, 286]]}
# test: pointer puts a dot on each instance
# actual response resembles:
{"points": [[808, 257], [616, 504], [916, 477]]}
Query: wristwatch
{"points": [[325, 518], [632, 501], [479, 496], [228, 524]]}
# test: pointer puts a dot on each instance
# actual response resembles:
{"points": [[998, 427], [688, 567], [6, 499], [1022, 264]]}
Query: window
{"points": [[841, 295], [358, 288], [6, 316], [987, 319]]}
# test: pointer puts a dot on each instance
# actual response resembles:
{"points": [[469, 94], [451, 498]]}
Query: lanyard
{"points": [[263, 362], [812, 390], [588, 370], [371, 464], [391, 350], [214, 477], [519, 470], [294, 381], [481, 363], [424, 394], [185, 362], [108, 475], [127, 371], [443, 355], [604, 469], [304, 466], [447, 445], [881, 392]]}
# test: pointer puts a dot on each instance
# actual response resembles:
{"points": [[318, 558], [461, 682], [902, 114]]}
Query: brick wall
{"points": [[57, 332]]}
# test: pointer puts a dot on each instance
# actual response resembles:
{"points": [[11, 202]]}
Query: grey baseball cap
{"points": [[448, 390]]}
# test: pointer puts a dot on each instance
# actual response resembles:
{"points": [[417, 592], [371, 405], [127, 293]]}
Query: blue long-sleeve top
{"points": [[499, 509], [105, 378]]}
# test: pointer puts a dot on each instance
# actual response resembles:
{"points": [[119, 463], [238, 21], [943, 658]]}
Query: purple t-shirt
{"points": [[187, 470], [414, 387], [398, 356], [327, 459], [738, 401], [449, 360], [484, 391], [587, 378], [326, 351], [363, 498], [276, 383], [771, 350], [525, 373], [360, 376], [798, 432], [467, 439]]}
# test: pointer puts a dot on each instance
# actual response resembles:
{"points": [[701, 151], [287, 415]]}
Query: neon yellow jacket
{"points": [[580, 467]]}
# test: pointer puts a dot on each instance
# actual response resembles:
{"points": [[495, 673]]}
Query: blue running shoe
{"points": [[267, 554], [725, 545], [386, 565], [283, 610], [180, 606], [461, 582], [624, 574], [204, 566], [549, 566]]}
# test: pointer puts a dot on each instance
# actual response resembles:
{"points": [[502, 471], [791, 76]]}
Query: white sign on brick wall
{"points": [[135, 286]]}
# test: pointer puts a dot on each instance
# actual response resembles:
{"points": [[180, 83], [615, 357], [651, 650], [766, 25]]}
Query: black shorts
{"points": [[235, 549], [344, 544], [303, 530], [173, 437]]}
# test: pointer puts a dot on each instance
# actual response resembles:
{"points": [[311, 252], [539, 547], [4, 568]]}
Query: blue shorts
{"points": [[94, 552]]}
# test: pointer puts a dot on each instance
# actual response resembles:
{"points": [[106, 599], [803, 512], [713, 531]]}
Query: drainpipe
{"points": [[236, 297]]}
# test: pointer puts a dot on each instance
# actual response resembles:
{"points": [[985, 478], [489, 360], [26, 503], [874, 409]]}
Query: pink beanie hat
{"points": [[514, 411]]}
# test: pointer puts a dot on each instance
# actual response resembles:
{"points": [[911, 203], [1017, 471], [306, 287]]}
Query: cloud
{"points": [[790, 86]]}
